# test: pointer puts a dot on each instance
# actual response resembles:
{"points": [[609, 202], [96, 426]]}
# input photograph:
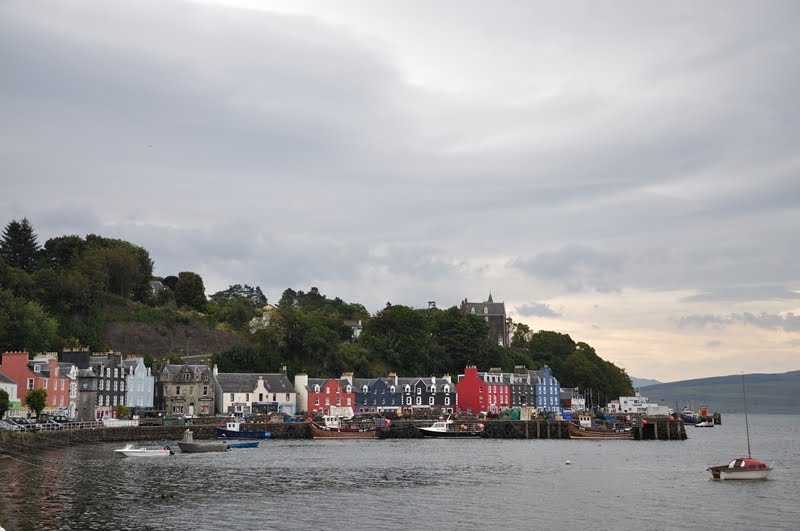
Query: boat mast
{"points": [[746, 425]]}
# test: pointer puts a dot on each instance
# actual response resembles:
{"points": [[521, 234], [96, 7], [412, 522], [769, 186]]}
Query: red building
{"points": [[483, 391], [336, 392], [40, 373]]}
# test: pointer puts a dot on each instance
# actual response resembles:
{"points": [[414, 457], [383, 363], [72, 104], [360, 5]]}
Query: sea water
{"points": [[413, 484]]}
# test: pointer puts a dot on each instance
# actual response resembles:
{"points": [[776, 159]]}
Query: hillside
{"points": [[163, 340], [642, 382], [766, 393]]}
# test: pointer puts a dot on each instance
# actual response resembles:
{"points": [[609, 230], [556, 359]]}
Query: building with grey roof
{"points": [[494, 313], [185, 390], [250, 393]]}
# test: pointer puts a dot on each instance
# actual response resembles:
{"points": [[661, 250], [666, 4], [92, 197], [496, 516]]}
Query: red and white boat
{"points": [[741, 468]]}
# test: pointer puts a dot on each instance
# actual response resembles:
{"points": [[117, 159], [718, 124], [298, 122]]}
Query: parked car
{"points": [[22, 422], [64, 420], [8, 426], [49, 425]]}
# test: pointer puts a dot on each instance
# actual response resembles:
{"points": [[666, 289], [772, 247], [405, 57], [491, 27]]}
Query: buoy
{"points": [[567, 462]]}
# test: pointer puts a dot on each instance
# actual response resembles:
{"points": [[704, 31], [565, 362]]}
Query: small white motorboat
{"points": [[704, 424], [131, 451]]}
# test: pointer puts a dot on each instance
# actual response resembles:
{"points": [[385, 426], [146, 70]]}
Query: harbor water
{"points": [[414, 483]]}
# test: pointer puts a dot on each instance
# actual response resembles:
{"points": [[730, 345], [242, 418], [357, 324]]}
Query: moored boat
{"points": [[187, 445], [742, 467], [580, 432], [704, 424], [320, 431], [232, 430], [447, 429], [131, 451], [244, 444]]}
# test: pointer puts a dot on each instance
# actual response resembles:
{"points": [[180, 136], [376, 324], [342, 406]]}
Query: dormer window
{"points": [[348, 389], [433, 389], [472, 311], [419, 390], [485, 310], [391, 389], [316, 389], [365, 389], [446, 388], [36, 368], [407, 388]]}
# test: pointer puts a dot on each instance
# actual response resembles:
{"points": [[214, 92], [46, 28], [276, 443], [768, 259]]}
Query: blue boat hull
{"points": [[232, 434], [243, 444]]}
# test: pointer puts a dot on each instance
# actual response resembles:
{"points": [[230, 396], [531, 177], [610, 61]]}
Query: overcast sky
{"points": [[626, 173]]}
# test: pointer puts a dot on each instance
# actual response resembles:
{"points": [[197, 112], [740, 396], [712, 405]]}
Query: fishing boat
{"points": [[705, 424], [336, 427], [581, 432], [688, 416], [449, 429], [131, 451], [742, 467], [232, 430], [187, 445], [243, 444]]}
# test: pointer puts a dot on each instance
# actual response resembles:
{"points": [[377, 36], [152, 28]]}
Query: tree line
{"points": [[61, 295]]}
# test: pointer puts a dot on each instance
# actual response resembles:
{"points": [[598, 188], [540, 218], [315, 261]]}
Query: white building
{"points": [[140, 390], [246, 393]]}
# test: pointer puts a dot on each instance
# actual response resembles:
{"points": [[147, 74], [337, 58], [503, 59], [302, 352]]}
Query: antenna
{"points": [[746, 425]]}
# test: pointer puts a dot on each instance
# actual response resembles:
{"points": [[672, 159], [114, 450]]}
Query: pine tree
{"points": [[18, 246]]}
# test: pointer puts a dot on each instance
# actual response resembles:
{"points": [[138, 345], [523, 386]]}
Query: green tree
{"points": [[62, 252], [190, 292], [25, 325], [5, 402], [18, 245], [36, 400], [123, 411], [254, 295]]}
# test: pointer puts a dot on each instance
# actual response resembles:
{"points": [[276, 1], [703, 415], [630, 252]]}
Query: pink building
{"points": [[42, 372]]}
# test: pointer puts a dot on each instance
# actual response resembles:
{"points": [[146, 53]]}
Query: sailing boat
{"points": [[742, 467]]}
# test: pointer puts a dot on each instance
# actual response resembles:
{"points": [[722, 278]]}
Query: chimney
{"points": [[393, 377], [348, 376], [215, 371], [447, 378], [433, 379], [283, 370]]}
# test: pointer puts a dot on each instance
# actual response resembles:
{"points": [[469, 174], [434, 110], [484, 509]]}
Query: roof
{"points": [[247, 382], [5, 379]]}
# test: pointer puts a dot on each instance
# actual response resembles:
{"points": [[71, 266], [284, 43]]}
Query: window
{"points": [[101, 385], [177, 389], [274, 397], [433, 389], [349, 389], [115, 385], [63, 382], [472, 311], [338, 401], [447, 400], [116, 373], [419, 390], [328, 390], [419, 400], [36, 368], [247, 397], [61, 400], [349, 401], [485, 310], [287, 397], [365, 389], [407, 388], [108, 372], [327, 401], [408, 400], [316, 401], [446, 388], [205, 390], [44, 383], [391, 389], [316, 389], [430, 400], [233, 397], [338, 389]]}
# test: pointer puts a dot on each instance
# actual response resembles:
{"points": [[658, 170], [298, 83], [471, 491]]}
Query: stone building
{"points": [[494, 313], [185, 390]]}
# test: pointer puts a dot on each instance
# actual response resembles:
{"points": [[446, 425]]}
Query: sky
{"points": [[627, 173]]}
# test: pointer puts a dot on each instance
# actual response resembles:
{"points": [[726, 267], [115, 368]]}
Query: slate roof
{"points": [[64, 369], [6, 379], [315, 381], [247, 382]]}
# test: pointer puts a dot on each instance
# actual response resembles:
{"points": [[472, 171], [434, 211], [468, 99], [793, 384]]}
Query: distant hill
{"points": [[766, 393], [642, 382]]}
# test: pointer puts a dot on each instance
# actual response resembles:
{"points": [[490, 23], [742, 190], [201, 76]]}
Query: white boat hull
{"points": [[144, 452], [744, 474]]}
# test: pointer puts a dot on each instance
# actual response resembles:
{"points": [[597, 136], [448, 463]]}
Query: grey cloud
{"points": [[713, 344], [789, 322], [537, 309], [744, 293], [579, 267]]}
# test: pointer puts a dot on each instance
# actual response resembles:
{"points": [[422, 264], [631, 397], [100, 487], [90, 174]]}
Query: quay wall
{"points": [[655, 429]]}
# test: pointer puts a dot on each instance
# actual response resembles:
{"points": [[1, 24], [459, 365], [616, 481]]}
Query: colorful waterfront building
{"points": [[246, 393], [332, 394], [488, 392], [41, 372]]}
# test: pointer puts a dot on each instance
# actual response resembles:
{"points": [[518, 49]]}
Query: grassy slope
{"points": [[766, 393]]}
